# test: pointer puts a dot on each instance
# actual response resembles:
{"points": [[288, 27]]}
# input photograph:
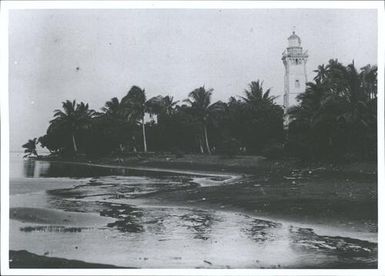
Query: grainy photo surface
{"points": [[193, 138]]}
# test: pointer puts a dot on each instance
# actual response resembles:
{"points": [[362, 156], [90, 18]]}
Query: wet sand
{"points": [[144, 221], [25, 259], [54, 216]]}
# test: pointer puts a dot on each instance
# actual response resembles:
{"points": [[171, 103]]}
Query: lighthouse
{"points": [[295, 79]]}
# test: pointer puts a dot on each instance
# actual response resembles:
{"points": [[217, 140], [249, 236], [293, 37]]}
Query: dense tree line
{"points": [[196, 125], [335, 119], [337, 115]]}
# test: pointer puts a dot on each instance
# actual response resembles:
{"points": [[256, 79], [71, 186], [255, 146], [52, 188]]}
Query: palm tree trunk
{"points": [[74, 143], [144, 136], [206, 139], [200, 145]]}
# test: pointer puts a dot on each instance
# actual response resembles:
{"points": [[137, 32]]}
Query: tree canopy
{"points": [[337, 114]]}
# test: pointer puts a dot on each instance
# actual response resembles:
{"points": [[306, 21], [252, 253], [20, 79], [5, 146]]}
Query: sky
{"points": [[94, 55]]}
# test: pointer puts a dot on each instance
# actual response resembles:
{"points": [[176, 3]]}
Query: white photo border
{"points": [[6, 6]]}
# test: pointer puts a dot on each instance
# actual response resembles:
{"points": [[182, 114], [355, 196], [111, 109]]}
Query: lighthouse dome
{"points": [[294, 40]]}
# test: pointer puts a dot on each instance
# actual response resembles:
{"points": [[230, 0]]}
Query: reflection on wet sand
{"points": [[52, 228], [35, 168], [346, 252], [261, 230], [200, 222], [128, 217]]}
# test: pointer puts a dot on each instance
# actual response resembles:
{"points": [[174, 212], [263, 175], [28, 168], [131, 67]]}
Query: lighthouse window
{"points": [[297, 83]]}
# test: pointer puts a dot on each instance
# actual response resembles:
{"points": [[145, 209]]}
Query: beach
{"points": [[145, 214]]}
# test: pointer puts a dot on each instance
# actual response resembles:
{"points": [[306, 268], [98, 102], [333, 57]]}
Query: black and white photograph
{"points": [[211, 137]]}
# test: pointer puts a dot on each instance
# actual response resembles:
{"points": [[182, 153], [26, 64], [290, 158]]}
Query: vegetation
{"points": [[336, 119], [337, 115], [30, 148], [68, 128], [203, 112]]}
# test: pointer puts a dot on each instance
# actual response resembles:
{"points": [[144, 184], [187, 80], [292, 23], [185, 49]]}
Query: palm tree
{"points": [[73, 118], [311, 102], [357, 114], [338, 113], [321, 73], [262, 118], [30, 147], [154, 106], [160, 105], [368, 77], [115, 126], [255, 95], [200, 100], [134, 107], [112, 108], [169, 105]]}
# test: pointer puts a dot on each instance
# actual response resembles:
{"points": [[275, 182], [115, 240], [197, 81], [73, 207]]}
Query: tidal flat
{"points": [[173, 219]]}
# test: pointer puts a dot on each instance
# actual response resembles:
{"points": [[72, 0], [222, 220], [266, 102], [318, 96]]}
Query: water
{"points": [[106, 215]]}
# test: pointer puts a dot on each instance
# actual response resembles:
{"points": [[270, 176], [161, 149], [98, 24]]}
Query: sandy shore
{"points": [[25, 259], [346, 196], [345, 203], [218, 164], [58, 217]]}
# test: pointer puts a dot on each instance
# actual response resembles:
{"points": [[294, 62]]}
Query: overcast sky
{"points": [[94, 55]]}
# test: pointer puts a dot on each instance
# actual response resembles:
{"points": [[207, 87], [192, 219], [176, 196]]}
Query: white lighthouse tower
{"points": [[294, 60]]}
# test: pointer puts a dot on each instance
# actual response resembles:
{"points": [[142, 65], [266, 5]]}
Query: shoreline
{"points": [[150, 169], [320, 203], [25, 259], [215, 164]]}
